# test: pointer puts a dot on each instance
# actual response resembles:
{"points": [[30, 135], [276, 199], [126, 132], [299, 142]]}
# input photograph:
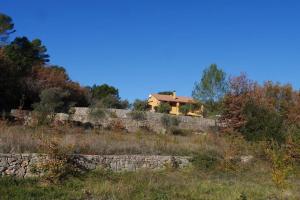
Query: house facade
{"points": [[175, 102]]}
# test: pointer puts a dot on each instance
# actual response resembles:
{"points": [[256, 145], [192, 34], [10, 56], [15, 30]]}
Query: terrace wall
{"points": [[22, 165]]}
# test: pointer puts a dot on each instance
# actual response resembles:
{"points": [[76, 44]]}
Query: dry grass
{"points": [[189, 183], [19, 139], [203, 180]]}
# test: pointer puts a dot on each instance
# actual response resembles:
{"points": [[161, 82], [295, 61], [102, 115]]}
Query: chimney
{"points": [[174, 94]]}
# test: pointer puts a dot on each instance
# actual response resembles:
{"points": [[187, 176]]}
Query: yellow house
{"points": [[175, 102]]}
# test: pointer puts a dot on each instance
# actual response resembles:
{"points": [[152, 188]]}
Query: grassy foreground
{"points": [[190, 183], [214, 174]]}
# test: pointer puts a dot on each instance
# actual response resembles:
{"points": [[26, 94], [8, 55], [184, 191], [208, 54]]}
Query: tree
{"points": [[140, 105], [166, 92], [25, 54], [43, 77], [239, 92], [261, 112], [108, 97], [212, 87], [104, 90], [41, 50], [6, 28], [18, 59], [9, 84], [241, 85], [111, 101], [24, 73]]}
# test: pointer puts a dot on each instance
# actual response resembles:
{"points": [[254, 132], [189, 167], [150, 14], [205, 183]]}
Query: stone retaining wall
{"points": [[123, 118], [152, 120], [22, 165]]}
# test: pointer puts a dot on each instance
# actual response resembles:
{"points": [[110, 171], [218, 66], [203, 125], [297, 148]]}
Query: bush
{"points": [[138, 115], [112, 114], [97, 111], [59, 164], [262, 123], [52, 101], [281, 164], [111, 101], [140, 105], [108, 96], [206, 161], [145, 128], [117, 125], [179, 131], [169, 121], [163, 108], [185, 109]]}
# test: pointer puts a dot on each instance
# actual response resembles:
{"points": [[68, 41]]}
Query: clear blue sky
{"points": [[145, 46]]}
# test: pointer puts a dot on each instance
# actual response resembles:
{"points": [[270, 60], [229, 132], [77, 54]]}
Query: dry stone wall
{"points": [[152, 120], [123, 118], [22, 165]]}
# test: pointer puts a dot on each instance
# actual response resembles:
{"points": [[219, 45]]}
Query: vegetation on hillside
{"points": [[26, 74], [211, 88], [190, 183], [260, 120]]}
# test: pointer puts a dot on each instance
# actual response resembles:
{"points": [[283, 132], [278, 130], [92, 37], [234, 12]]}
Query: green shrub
{"points": [[52, 100], [163, 108], [145, 128], [72, 111], [179, 131], [262, 123], [138, 115], [186, 108], [206, 160], [97, 113], [112, 114], [243, 196], [281, 164], [140, 105], [59, 164], [169, 121]]}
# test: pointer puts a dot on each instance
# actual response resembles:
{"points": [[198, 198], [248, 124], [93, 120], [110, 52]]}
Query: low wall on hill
{"points": [[123, 119], [23, 165], [152, 120]]}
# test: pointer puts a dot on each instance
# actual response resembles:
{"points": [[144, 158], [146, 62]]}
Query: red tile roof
{"points": [[170, 98]]}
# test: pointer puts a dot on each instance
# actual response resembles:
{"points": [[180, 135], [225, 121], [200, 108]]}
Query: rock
{"points": [[25, 163], [246, 159], [62, 117], [2, 169], [20, 172], [10, 171], [3, 163]]}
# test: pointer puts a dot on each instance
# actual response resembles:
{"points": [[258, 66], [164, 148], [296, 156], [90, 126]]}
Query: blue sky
{"points": [[145, 46]]}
